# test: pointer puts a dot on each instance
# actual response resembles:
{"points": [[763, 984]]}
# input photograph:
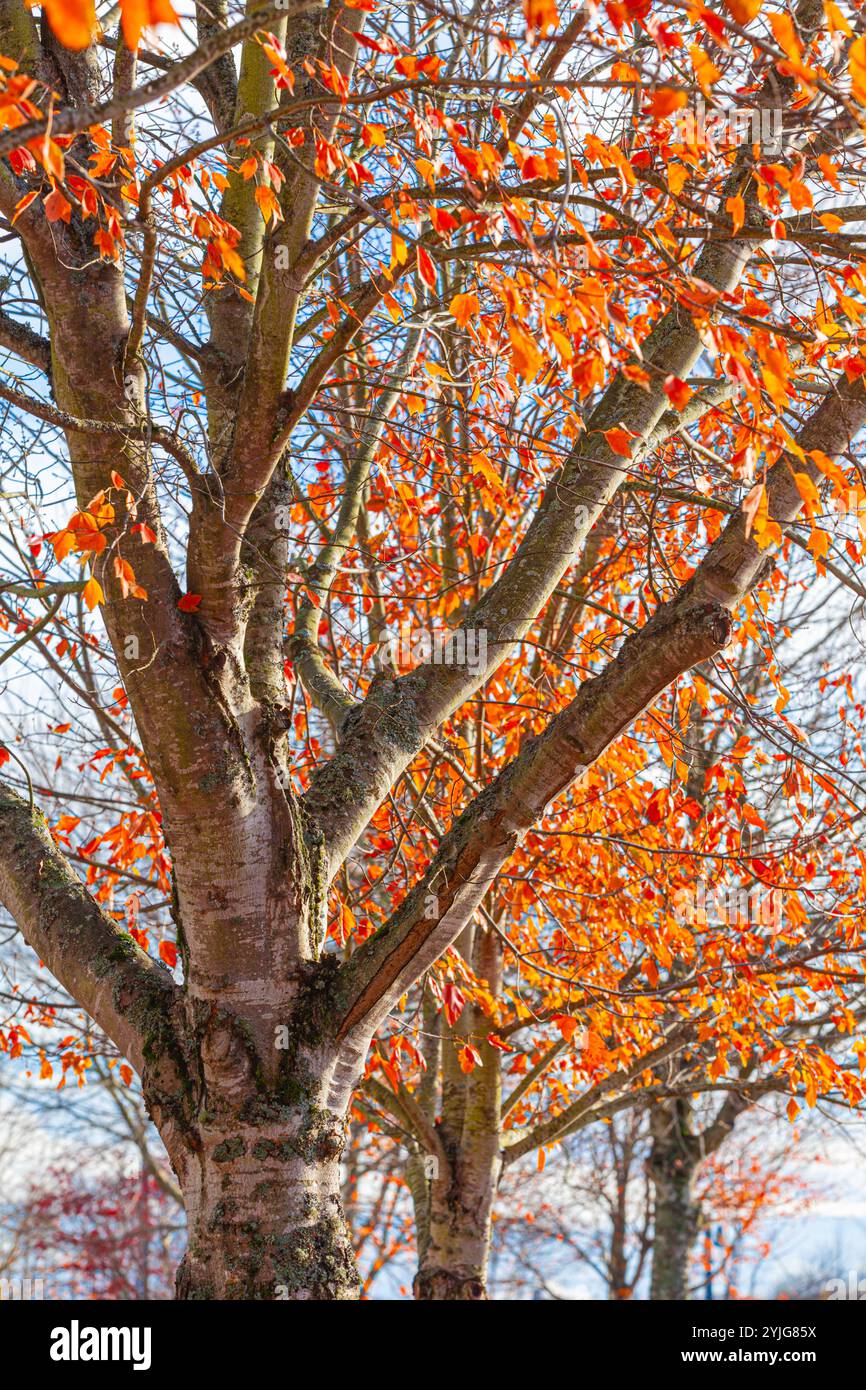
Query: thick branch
{"points": [[390, 729], [689, 628], [476, 848], [129, 995]]}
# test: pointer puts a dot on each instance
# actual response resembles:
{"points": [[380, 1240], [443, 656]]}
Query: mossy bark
{"points": [[453, 1259], [674, 1160], [454, 1266], [264, 1212]]}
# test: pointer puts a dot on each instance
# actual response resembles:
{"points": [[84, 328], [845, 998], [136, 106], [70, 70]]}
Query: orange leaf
{"points": [[857, 69], [63, 542], [372, 134], [269, 204], [666, 100], [453, 1000], [620, 441], [741, 11], [469, 1058], [836, 21], [678, 392], [541, 15], [137, 15], [57, 208], [525, 356], [463, 307], [230, 258], [426, 269], [819, 542], [567, 1026], [73, 21], [751, 505], [93, 594], [24, 203], [737, 208], [348, 923], [189, 603]]}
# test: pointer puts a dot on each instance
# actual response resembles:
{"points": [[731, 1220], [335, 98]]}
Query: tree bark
{"points": [[453, 1263], [264, 1211], [674, 1160]]}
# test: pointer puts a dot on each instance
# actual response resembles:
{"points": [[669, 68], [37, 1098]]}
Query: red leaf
{"points": [[168, 953], [426, 269], [469, 1058], [73, 21], [137, 15], [24, 203], [453, 1000], [678, 392], [566, 1025], [620, 441]]}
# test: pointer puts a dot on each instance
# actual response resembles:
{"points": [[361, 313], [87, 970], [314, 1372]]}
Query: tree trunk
{"points": [[673, 1163], [265, 1214], [454, 1264], [453, 1261], [256, 1137], [617, 1263]]}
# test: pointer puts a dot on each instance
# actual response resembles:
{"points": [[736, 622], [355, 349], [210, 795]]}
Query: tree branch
{"points": [[391, 727], [130, 996], [688, 628], [27, 344]]}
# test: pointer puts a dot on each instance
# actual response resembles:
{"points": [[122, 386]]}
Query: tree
{"points": [[113, 1239], [262, 424], [617, 998], [589, 1231]]}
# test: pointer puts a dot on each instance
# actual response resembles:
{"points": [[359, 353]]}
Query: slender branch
{"points": [[72, 120], [143, 434], [25, 342]]}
